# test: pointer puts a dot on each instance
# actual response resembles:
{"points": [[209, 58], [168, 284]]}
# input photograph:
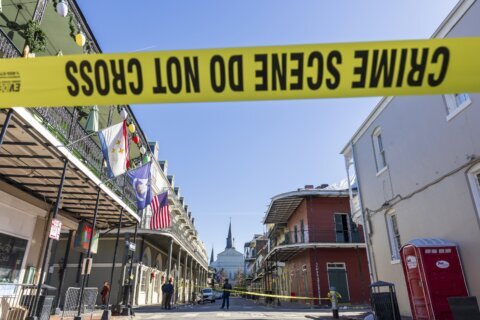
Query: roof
{"points": [[431, 242], [448, 23], [283, 205]]}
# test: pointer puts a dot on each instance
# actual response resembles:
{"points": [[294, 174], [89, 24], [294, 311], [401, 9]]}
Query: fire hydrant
{"points": [[333, 295]]}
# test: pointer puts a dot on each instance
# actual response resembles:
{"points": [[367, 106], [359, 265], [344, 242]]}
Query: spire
{"points": [[211, 256], [229, 238]]}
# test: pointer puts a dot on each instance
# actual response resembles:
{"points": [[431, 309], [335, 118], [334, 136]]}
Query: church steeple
{"points": [[229, 238], [211, 256]]}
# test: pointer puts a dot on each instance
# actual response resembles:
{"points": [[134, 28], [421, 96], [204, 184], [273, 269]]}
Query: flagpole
{"points": [[73, 142]]}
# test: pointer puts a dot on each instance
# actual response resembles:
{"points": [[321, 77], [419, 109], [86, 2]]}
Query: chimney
{"points": [[163, 164], [309, 186]]}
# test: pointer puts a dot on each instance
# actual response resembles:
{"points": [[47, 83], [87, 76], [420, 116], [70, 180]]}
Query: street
{"points": [[239, 309]]}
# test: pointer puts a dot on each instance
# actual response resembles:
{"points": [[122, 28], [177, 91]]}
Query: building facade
{"points": [[313, 245], [229, 262], [415, 162], [51, 166]]}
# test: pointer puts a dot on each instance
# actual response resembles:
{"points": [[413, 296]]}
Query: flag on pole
{"points": [[114, 141], [141, 179], [160, 212]]}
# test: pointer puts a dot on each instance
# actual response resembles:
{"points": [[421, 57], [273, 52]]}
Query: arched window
{"points": [[147, 257], [158, 262]]}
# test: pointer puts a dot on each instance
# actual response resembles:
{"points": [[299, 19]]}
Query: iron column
{"points": [[33, 310], [5, 125], [89, 251], [107, 312]]}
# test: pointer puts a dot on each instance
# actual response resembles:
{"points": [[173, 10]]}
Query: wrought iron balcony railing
{"points": [[7, 47], [318, 236], [63, 123], [180, 235]]}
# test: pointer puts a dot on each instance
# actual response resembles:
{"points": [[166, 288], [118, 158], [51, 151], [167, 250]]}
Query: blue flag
{"points": [[141, 179]]}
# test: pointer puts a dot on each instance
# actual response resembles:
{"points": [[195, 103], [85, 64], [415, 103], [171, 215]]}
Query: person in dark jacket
{"points": [[168, 292], [226, 294]]}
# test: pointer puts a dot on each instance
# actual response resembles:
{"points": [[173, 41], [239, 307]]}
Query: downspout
{"points": [[370, 255]]}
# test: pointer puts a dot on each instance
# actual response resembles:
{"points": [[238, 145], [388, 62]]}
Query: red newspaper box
{"points": [[433, 272]]}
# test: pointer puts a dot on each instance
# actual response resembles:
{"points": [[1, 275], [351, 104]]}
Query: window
{"points": [[456, 103], [302, 230], [12, 253], [295, 233], [345, 229], [379, 150], [393, 236]]}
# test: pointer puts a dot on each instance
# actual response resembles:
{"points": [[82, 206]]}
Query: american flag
{"points": [[160, 212]]}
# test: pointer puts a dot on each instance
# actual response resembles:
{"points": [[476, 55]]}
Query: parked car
{"points": [[218, 294], [207, 294]]}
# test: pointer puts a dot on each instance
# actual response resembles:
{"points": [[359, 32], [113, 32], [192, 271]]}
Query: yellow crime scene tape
{"points": [[391, 68], [251, 293]]}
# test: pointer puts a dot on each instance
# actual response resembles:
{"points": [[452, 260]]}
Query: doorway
{"points": [[337, 277]]}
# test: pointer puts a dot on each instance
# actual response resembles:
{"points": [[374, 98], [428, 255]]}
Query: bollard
{"points": [[333, 295]]}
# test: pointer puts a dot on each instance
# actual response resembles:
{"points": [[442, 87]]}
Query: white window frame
{"points": [[379, 153], [475, 186], [392, 238], [453, 109]]}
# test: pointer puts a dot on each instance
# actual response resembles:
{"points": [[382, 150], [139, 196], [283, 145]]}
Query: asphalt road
{"points": [[239, 309]]}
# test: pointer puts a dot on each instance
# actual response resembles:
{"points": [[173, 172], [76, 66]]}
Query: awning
{"points": [[32, 163]]}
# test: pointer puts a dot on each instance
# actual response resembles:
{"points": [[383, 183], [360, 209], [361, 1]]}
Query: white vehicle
{"points": [[207, 294]]}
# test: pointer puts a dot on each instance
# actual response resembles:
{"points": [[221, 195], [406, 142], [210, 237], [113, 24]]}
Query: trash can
{"points": [[384, 301]]}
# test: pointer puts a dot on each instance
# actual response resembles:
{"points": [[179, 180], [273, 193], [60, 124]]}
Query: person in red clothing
{"points": [[105, 292]]}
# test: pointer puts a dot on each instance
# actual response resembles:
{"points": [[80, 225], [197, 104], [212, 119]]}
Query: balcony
{"points": [[33, 163], [287, 245]]}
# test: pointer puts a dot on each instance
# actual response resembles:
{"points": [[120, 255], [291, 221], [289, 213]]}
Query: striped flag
{"points": [[160, 212]]}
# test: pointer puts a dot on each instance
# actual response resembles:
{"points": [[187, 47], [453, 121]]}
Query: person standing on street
{"points": [[226, 294], [169, 290], [105, 292]]}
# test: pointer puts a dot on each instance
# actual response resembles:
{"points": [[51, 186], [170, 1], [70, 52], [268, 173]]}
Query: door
{"points": [[337, 277]]}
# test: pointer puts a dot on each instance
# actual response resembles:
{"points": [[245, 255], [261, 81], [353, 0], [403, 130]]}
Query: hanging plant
{"points": [[35, 37]]}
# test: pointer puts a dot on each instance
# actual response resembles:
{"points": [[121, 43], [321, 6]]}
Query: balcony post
{"points": [[185, 265], [317, 274], [178, 275], [89, 252], [128, 308], [33, 310], [192, 284], [64, 267], [5, 125], [107, 312], [169, 270]]}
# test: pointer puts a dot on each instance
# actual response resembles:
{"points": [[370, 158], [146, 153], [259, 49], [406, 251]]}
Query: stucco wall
{"points": [[421, 145]]}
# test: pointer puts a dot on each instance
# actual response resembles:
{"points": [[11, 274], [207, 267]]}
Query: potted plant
{"points": [[35, 37]]}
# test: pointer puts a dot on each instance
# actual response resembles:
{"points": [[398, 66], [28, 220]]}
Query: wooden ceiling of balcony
{"points": [[30, 163]]}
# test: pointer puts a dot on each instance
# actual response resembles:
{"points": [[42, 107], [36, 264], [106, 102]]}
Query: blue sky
{"points": [[230, 158]]}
